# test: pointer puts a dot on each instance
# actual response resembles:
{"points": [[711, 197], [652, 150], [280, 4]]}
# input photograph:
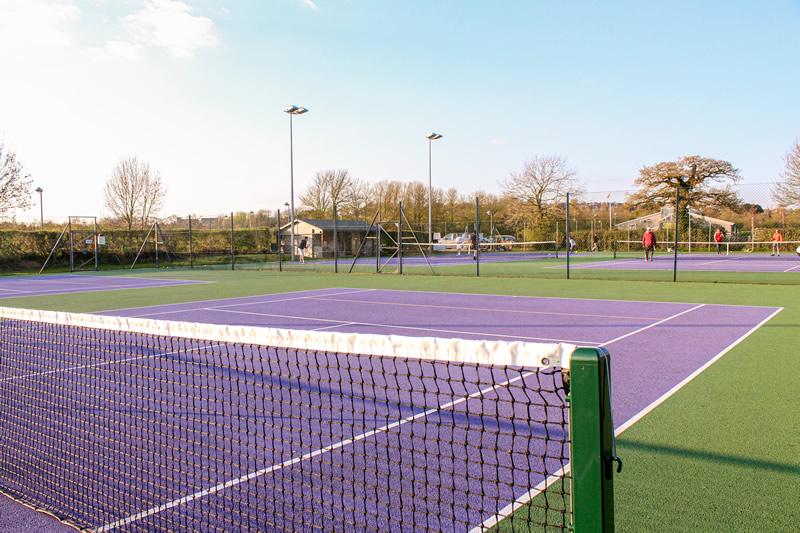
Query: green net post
{"points": [[592, 448]]}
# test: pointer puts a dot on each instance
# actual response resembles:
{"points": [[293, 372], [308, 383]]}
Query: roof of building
{"points": [[327, 225]]}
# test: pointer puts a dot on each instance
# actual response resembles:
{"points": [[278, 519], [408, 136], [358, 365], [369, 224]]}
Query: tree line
{"points": [[533, 197]]}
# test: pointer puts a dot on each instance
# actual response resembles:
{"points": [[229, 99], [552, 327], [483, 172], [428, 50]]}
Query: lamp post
{"points": [[286, 205], [431, 137], [292, 110], [250, 226], [41, 207]]}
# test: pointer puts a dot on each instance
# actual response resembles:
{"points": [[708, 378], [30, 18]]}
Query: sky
{"points": [[197, 89]]}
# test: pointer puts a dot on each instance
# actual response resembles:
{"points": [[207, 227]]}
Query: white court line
{"points": [[525, 498], [652, 325], [355, 289], [14, 290], [693, 375], [83, 367], [294, 460], [412, 328], [222, 307], [522, 500], [790, 269], [596, 300], [334, 326]]}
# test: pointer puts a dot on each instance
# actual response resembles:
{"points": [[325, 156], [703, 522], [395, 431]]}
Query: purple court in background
{"points": [[18, 286], [706, 262]]}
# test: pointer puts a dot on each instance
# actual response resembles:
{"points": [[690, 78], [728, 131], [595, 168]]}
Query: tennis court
{"points": [[12, 287], [651, 355], [697, 261]]}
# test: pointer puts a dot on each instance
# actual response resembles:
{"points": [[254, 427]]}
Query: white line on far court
{"points": [[203, 304], [409, 328], [294, 460], [676, 315]]}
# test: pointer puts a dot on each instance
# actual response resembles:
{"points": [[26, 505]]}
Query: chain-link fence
{"points": [[597, 235]]}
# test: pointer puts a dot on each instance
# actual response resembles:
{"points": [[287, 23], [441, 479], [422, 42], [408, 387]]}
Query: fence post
{"points": [[233, 255], [280, 244], [191, 247], [677, 220], [566, 237], [335, 241], [477, 250], [400, 241]]}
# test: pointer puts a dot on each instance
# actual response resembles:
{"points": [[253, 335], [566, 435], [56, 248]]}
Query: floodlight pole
{"points": [[431, 137], [292, 110], [41, 207]]}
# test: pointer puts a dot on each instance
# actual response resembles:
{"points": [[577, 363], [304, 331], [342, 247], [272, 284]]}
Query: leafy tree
{"points": [[787, 192], [134, 193], [704, 183], [533, 195], [15, 188]]}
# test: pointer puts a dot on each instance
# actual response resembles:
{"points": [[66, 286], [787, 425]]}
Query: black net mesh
{"points": [[110, 430]]}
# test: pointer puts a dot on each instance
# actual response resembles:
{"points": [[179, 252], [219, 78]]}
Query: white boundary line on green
{"points": [[541, 487]]}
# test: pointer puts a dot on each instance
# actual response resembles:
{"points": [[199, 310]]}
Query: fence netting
{"points": [[598, 235]]}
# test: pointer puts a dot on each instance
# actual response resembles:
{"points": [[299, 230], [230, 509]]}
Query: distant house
{"points": [[319, 234], [667, 216]]}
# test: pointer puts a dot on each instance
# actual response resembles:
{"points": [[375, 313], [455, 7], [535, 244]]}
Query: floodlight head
{"points": [[39, 189], [300, 111], [488, 213], [286, 204], [433, 136], [291, 109]]}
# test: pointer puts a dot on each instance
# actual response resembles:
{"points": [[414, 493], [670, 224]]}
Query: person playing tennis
{"points": [[302, 248], [649, 244], [718, 237], [777, 239], [473, 243]]}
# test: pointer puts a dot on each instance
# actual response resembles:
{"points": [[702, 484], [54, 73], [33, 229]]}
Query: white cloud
{"points": [[40, 22], [168, 24], [118, 49], [310, 4], [497, 141]]}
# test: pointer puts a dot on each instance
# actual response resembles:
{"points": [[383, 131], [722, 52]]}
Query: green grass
{"points": [[722, 454]]}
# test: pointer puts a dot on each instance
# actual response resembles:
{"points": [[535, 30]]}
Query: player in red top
{"points": [[649, 244], [718, 237], [777, 239]]}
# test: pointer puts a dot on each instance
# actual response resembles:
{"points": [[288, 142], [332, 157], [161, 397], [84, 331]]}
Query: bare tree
{"points": [[535, 193], [787, 192], [15, 188], [134, 193], [357, 199], [328, 188]]}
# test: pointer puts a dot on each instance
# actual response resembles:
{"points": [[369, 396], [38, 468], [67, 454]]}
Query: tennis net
{"points": [[697, 249], [129, 424]]}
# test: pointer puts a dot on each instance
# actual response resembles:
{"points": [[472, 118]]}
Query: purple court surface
{"points": [[711, 262], [655, 348], [15, 287], [445, 259]]}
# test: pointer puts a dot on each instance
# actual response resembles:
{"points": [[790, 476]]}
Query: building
{"points": [[667, 216], [319, 234]]}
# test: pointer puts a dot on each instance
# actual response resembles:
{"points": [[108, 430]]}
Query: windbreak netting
{"points": [[138, 425]]}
